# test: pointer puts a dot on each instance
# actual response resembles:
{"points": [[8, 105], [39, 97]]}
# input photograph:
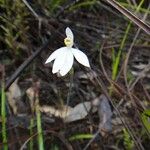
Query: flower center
{"points": [[68, 42]]}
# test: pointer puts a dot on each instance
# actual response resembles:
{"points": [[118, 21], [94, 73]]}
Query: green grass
{"points": [[39, 129], [144, 10], [116, 59], [31, 133], [81, 137], [83, 4], [145, 119], [14, 25], [3, 115], [128, 142]]}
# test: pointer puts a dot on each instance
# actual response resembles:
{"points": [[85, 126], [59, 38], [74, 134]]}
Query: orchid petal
{"points": [[80, 57], [55, 54], [59, 61], [67, 63], [69, 33]]}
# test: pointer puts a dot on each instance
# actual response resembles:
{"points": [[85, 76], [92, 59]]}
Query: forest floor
{"points": [[105, 107]]}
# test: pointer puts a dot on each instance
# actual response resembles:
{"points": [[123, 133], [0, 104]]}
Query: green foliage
{"points": [[50, 6], [86, 3], [81, 137], [146, 119], [14, 25], [128, 142]]}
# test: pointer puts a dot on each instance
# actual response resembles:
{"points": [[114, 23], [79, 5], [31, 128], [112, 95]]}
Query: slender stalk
{"points": [[117, 59], [31, 133], [39, 129], [3, 114], [70, 86]]}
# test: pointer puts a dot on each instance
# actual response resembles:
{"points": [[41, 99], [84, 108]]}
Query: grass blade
{"points": [[3, 114], [39, 129]]}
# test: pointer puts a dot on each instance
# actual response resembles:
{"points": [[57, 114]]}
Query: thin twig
{"points": [[31, 9], [131, 16], [39, 18], [25, 143], [89, 143]]}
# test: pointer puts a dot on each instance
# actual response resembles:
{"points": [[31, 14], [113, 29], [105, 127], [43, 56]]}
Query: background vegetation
{"points": [[119, 53]]}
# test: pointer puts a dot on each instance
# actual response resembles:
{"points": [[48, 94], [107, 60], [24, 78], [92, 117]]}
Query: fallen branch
{"points": [[24, 65]]}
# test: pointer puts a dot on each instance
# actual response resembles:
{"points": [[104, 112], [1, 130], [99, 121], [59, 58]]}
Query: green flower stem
{"points": [[70, 86]]}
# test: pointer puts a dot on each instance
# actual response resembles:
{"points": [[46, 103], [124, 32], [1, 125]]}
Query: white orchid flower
{"points": [[64, 56]]}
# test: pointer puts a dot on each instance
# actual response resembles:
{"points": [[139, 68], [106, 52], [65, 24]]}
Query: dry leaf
{"points": [[63, 112], [79, 112], [31, 95], [67, 113], [105, 114], [13, 96]]}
